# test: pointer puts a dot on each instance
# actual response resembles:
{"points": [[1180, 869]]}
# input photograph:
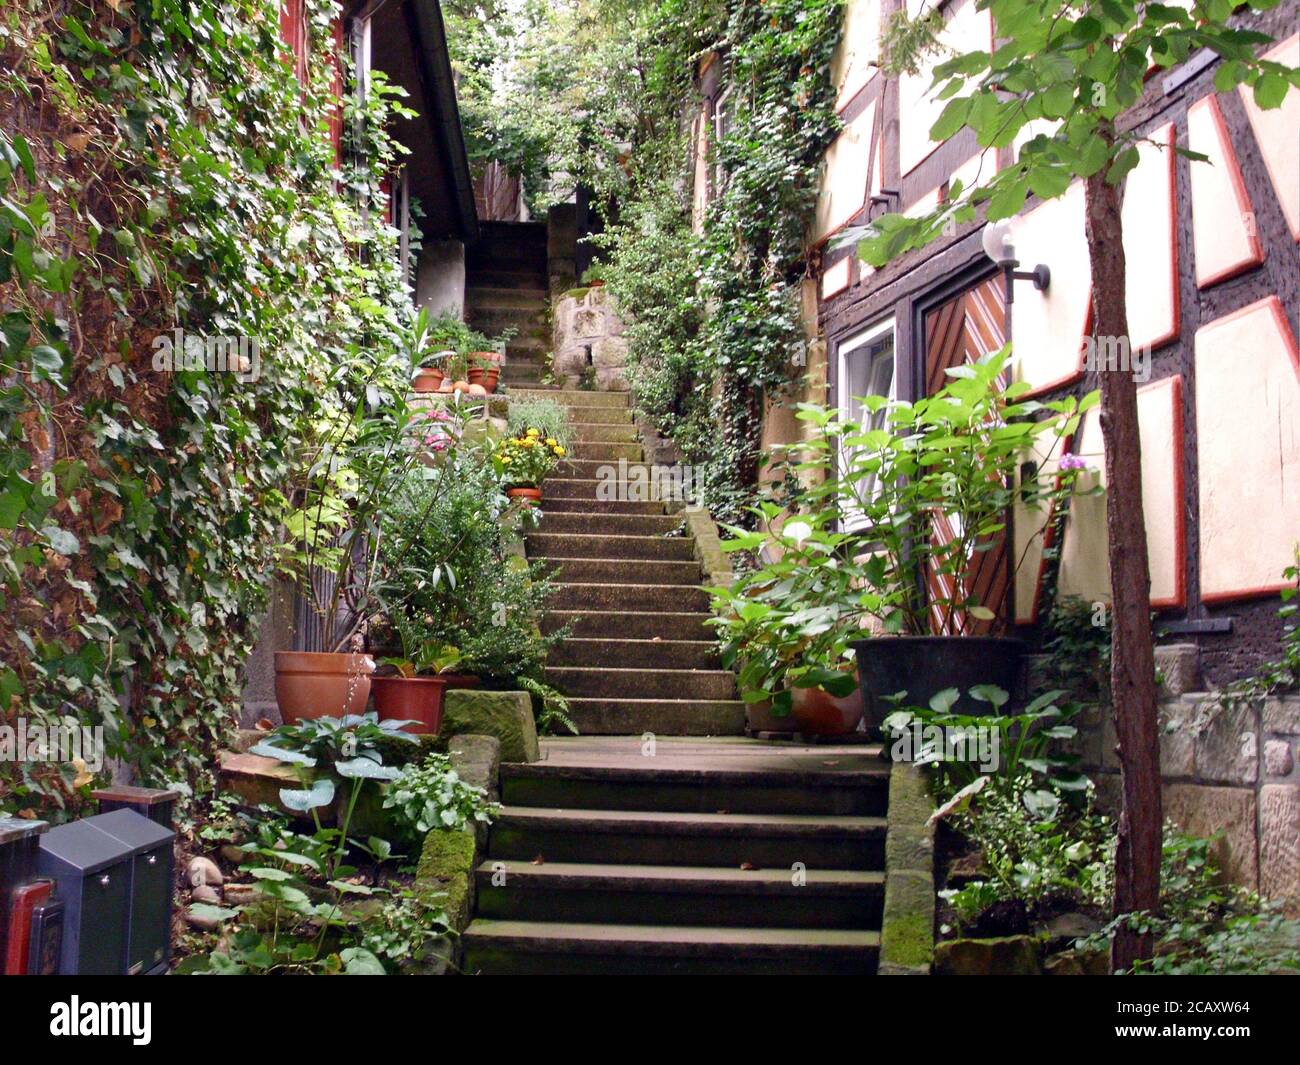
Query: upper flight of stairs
{"points": [[507, 287], [726, 856], [640, 657]]}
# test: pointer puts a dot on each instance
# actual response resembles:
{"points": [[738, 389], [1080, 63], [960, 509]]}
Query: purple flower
{"points": [[1073, 462]]}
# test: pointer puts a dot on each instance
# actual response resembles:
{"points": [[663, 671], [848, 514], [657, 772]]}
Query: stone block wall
{"points": [[1230, 771], [588, 340]]}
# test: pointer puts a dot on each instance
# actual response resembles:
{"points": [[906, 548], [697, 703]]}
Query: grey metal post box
{"points": [[92, 874], [150, 917]]}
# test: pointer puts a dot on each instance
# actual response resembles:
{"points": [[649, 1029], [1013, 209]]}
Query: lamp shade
{"points": [[998, 244]]}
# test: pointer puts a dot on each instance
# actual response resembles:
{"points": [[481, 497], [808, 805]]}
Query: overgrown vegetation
{"points": [[162, 168]]}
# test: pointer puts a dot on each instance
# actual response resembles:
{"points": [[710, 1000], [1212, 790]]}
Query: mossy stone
{"points": [[506, 715], [445, 873]]}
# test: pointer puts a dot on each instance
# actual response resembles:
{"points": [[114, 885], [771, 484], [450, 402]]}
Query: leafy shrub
{"points": [[430, 794]]}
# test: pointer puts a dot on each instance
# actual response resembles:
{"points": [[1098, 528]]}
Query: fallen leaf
{"points": [[748, 866], [539, 860]]}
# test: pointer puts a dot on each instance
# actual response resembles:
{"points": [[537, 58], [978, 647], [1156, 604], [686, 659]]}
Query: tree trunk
{"points": [[1132, 671]]}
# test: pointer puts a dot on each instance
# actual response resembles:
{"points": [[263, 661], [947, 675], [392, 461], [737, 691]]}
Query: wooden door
{"points": [[965, 329]]}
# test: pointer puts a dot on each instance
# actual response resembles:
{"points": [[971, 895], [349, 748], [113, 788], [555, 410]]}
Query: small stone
{"points": [[234, 855], [202, 921], [203, 893], [240, 894], [203, 871], [1002, 955], [1278, 761], [1068, 927]]}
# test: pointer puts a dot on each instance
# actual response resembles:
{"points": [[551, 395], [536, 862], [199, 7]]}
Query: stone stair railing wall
{"points": [[588, 340]]}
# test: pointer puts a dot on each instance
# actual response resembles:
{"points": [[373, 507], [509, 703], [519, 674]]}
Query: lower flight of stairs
{"points": [[640, 657], [713, 857]]}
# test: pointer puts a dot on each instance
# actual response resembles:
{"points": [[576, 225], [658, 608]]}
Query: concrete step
{"points": [[606, 683], [766, 841], [657, 785], [604, 433], [579, 545], [576, 397], [624, 571], [639, 625], [556, 948], [665, 717], [569, 505], [640, 654], [627, 597], [631, 450], [610, 524], [585, 469], [514, 296], [725, 896]]}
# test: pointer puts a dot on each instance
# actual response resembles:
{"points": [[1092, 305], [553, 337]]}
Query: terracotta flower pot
{"points": [[760, 718], [485, 376], [427, 379], [311, 684], [416, 699], [532, 495], [818, 713]]}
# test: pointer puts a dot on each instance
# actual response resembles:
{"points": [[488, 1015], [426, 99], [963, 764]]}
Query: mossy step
{"points": [[554, 521], [632, 625], [624, 597], [632, 450], [624, 571], [614, 715], [576, 397], [647, 654], [592, 546], [660, 786], [564, 948], [679, 895], [606, 682]]}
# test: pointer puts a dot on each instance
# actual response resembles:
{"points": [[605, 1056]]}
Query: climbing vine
{"points": [[162, 168]]}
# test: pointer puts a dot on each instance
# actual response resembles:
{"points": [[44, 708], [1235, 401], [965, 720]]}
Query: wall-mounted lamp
{"points": [[999, 247]]}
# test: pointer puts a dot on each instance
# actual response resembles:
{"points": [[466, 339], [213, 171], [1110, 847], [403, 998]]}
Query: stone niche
{"points": [[590, 349]]}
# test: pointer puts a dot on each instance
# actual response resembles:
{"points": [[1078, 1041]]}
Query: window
{"points": [[866, 368]]}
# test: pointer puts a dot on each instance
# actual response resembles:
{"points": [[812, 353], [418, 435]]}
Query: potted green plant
{"points": [[523, 461], [926, 488], [347, 472], [485, 359], [786, 626], [414, 691]]}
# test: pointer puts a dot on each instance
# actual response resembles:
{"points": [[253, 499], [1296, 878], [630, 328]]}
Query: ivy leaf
{"points": [[60, 540]]}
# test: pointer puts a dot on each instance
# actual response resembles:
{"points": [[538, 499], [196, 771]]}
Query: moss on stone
{"points": [[446, 872], [506, 715], [907, 940]]}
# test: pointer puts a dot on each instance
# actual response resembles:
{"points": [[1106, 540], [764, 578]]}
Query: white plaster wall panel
{"points": [[844, 177], [1151, 243], [859, 49], [1248, 445], [1047, 328], [967, 30], [1223, 222], [1276, 132], [1029, 524], [1085, 560], [836, 277]]}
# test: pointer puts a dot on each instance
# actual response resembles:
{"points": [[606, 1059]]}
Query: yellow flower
{"points": [[552, 442], [559, 451], [534, 432]]}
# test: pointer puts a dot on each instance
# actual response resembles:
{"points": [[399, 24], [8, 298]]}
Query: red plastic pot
{"points": [[818, 713], [417, 699]]}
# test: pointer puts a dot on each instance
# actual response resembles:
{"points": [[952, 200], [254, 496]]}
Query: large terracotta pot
{"points": [[821, 714], [531, 495], [311, 684]]}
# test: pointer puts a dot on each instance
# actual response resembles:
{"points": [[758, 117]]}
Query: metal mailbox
{"points": [[92, 873], [150, 917]]}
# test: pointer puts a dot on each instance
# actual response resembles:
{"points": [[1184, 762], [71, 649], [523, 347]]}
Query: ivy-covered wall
{"points": [[162, 167]]}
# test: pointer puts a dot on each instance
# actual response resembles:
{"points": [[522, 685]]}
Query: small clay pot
{"points": [[817, 713], [484, 377], [427, 379], [531, 495]]}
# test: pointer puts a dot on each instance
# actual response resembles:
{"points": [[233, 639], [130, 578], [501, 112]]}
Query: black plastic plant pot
{"points": [[923, 666]]}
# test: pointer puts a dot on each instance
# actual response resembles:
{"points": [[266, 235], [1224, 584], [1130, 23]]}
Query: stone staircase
{"points": [[640, 657], [727, 856]]}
